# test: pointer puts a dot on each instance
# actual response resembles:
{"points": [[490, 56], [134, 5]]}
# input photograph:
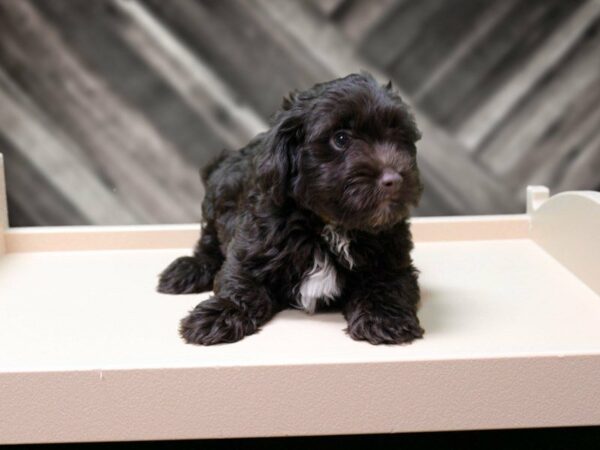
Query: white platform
{"points": [[90, 352], [98, 310]]}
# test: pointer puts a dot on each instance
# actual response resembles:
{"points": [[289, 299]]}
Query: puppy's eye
{"points": [[341, 140]]}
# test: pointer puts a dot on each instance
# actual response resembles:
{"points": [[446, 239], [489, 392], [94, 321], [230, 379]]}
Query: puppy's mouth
{"points": [[389, 208], [393, 199], [388, 212], [383, 211]]}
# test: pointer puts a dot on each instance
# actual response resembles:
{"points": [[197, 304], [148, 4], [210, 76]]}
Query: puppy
{"points": [[311, 213]]}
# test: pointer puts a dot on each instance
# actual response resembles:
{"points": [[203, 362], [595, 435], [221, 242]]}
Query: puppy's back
{"points": [[206, 171]]}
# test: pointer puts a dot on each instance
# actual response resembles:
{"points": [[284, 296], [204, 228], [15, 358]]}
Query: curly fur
{"points": [[294, 198]]}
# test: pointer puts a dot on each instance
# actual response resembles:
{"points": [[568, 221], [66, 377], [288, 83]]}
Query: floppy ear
{"points": [[276, 163]]}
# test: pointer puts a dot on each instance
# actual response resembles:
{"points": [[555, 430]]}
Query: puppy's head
{"points": [[345, 150]]}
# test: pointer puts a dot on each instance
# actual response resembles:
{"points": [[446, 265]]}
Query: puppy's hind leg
{"points": [[194, 274]]}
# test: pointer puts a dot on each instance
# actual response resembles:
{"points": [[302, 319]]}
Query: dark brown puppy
{"points": [[309, 213]]}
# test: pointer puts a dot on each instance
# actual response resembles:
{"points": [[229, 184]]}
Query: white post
{"points": [[566, 227], [3, 206], [536, 195]]}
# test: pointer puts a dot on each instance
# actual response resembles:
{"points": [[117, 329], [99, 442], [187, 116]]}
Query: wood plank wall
{"points": [[109, 107]]}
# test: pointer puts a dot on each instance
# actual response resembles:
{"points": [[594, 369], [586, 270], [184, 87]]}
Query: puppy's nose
{"points": [[390, 179]]}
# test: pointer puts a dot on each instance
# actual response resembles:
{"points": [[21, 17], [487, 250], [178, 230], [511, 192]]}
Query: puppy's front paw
{"points": [[384, 329], [216, 321], [185, 275]]}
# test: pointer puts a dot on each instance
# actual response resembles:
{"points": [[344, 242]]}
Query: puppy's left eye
{"points": [[341, 140]]}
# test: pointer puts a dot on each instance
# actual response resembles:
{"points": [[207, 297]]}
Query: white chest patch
{"points": [[321, 283]]}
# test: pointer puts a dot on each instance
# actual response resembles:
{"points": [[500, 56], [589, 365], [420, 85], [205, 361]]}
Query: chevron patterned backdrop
{"points": [[109, 107]]}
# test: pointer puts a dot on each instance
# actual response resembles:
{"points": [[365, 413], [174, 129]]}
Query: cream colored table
{"points": [[511, 307]]}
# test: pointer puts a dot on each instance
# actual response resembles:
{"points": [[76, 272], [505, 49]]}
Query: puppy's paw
{"points": [[216, 321], [382, 329], [186, 275]]}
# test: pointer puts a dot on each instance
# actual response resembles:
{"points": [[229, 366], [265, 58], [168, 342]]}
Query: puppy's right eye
{"points": [[341, 140]]}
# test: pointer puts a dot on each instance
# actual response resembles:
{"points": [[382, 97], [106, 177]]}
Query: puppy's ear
{"points": [[276, 163], [389, 86]]}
